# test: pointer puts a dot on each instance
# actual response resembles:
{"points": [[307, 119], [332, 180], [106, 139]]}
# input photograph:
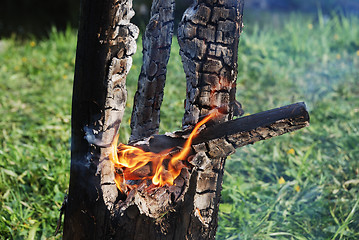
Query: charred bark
{"points": [[208, 36], [157, 41], [106, 41], [239, 132]]}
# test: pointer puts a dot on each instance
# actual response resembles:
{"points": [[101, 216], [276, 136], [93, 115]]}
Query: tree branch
{"points": [[208, 36], [239, 132]]}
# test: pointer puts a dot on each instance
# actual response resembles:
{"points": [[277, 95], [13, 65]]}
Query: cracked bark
{"points": [[106, 41], [157, 41], [208, 36], [238, 132]]}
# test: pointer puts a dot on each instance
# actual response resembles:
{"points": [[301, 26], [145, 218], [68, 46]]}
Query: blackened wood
{"points": [[156, 41], [239, 132], [208, 36], [268, 124], [106, 40]]}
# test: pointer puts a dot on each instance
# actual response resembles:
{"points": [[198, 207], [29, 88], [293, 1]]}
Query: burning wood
{"points": [[162, 168], [163, 161]]}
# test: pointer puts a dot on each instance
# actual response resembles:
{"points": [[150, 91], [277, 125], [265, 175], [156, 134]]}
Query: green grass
{"points": [[303, 185], [35, 100], [318, 63]]}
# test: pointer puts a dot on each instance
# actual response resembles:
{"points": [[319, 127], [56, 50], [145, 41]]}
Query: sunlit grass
{"points": [[302, 185], [35, 109]]}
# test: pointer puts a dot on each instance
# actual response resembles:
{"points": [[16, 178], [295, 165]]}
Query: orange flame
{"points": [[132, 163]]}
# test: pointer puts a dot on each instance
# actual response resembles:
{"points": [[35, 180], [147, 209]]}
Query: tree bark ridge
{"points": [[106, 41], [208, 36], [157, 41]]}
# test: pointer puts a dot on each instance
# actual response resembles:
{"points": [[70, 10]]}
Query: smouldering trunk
{"points": [[161, 186]]}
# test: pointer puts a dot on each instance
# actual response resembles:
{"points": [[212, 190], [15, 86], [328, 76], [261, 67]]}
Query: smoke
{"points": [[323, 80]]}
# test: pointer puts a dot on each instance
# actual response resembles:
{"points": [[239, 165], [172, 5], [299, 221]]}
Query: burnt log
{"points": [[208, 36], [238, 132]]}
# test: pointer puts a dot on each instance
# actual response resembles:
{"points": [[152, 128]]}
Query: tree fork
{"points": [[208, 36]]}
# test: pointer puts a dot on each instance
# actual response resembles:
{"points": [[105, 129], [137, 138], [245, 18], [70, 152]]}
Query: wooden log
{"points": [[259, 126], [208, 36], [239, 132]]}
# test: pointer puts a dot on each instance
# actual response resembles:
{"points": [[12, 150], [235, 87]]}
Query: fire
{"points": [[132, 163]]}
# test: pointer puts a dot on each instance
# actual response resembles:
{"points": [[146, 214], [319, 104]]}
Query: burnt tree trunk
{"points": [[106, 41], [208, 36]]}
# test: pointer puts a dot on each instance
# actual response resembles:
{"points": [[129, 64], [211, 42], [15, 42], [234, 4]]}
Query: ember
{"points": [[133, 163]]}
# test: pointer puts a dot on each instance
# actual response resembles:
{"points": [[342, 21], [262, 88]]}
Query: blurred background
{"points": [[36, 17], [302, 185]]}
